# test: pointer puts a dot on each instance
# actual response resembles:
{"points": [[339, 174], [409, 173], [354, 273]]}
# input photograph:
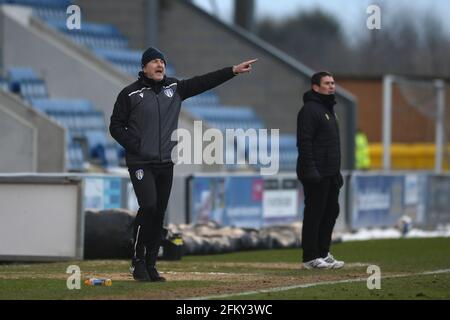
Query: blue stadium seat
{"points": [[120, 56], [88, 28], [90, 120], [56, 4], [93, 41], [4, 85], [75, 158], [16, 74], [81, 119], [127, 60], [46, 13], [111, 156], [54, 9], [223, 113], [92, 35], [31, 89], [69, 105], [209, 98], [65, 119], [85, 125], [225, 117], [25, 82], [104, 39], [96, 139]]}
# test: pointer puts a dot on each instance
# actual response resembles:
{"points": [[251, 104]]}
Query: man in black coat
{"points": [[145, 116], [318, 169]]}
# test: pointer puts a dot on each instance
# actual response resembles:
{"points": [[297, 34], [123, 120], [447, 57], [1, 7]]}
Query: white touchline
{"points": [[308, 285], [204, 273]]}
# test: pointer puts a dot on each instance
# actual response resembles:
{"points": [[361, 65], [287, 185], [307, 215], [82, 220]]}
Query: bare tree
{"points": [[314, 37], [409, 43]]}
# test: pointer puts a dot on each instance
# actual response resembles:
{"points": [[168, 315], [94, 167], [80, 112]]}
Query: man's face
{"points": [[155, 69], [327, 86]]}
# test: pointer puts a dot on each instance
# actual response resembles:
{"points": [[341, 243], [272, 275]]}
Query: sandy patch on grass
{"points": [[231, 284], [219, 281]]}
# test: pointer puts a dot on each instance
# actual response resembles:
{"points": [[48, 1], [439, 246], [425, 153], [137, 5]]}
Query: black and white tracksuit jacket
{"points": [[146, 114]]}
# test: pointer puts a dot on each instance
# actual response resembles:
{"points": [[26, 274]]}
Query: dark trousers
{"points": [[152, 185], [319, 216]]}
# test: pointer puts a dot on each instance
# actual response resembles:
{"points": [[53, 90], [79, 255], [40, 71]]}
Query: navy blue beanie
{"points": [[152, 54]]}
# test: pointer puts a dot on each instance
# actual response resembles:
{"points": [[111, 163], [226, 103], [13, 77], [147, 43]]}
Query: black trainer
{"points": [[151, 257], [154, 275], [139, 270]]}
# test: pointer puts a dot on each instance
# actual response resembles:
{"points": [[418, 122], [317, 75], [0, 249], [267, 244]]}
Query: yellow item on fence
{"points": [[416, 156]]}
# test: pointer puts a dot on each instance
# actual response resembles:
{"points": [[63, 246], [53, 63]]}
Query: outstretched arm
{"points": [[197, 85]]}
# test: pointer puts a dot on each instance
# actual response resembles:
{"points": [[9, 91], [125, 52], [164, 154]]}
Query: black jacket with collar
{"points": [[318, 138], [146, 114]]}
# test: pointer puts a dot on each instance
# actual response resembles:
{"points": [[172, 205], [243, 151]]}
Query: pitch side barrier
{"points": [[41, 218], [42, 215], [249, 200], [380, 199], [367, 199]]}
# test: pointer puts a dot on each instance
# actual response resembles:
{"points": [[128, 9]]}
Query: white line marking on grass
{"points": [[203, 273], [314, 284]]}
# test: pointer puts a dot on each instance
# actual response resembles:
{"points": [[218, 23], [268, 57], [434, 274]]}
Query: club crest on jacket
{"points": [[140, 174], [168, 92]]}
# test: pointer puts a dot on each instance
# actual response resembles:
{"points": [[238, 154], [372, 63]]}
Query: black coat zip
{"points": [[159, 118]]}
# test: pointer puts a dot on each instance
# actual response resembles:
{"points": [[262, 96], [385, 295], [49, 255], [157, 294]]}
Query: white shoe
{"points": [[336, 264], [318, 263]]}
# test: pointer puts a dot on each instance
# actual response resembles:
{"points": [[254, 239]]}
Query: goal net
{"points": [[417, 112]]}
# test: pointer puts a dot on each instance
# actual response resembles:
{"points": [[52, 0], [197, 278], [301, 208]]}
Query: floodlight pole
{"points": [[244, 14], [440, 114], [152, 22], [387, 121]]}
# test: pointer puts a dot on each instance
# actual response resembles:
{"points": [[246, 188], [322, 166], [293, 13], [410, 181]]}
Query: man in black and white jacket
{"points": [[318, 168], [145, 116]]}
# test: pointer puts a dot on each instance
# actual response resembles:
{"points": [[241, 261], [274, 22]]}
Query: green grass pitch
{"points": [[252, 275]]}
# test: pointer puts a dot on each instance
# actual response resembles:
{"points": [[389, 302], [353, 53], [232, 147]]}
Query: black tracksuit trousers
{"points": [[319, 216], [152, 185]]}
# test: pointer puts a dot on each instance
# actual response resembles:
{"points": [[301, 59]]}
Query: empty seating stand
{"points": [[92, 35], [208, 99], [104, 39], [108, 43], [26, 83], [83, 124], [225, 117], [46, 8], [86, 129], [127, 60]]}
